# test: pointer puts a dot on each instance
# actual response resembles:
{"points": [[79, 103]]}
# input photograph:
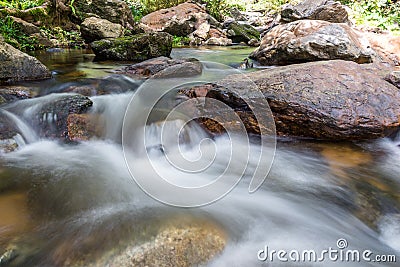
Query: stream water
{"points": [[60, 201]]}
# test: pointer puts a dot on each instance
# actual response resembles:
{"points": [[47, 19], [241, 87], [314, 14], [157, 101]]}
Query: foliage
{"points": [[384, 14], [180, 41], [64, 38], [14, 36], [136, 8], [217, 8], [21, 4], [148, 6], [272, 6]]}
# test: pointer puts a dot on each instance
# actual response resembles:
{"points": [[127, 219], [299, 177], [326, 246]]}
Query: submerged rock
{"points": [[163, 67], [310, 40], [18, 66], [134, 48], [327, 10], [93, 29], [336, 100], [173, 246]]}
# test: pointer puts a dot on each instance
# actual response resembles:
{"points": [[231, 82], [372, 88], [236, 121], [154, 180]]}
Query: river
{"points": [[72, 199]]}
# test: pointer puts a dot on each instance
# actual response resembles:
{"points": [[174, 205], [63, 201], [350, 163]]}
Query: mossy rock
{"points": [[135, 48], [242, 33]]}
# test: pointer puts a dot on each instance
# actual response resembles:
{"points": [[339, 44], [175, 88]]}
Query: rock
{"points": [[113, 84], [93, 29], [116, 11], [172, 246], [134, 48], [221, 41], [326, 10], [52, 117], [18, 66], [310, 40], [242, 33], [336, 100], [180, 20], [385, 44], [394, 78], [8, 132], [163, 67], [13, 93], [25, 27], [83, 127], [42, 41]]}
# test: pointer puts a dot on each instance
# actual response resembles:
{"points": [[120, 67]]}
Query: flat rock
{"points": [[311, 40], [335, 100], [163, 67]]}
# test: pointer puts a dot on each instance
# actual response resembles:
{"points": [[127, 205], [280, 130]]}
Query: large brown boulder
{"points": [[180, 20], [93, 29], [136, 48], [18, 66], [187, 19], [336, 100], [327, 10], [310, 40]]}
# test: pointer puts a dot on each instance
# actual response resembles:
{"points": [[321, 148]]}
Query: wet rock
{"points": [[52, 117], [93, 29], [173, 246], [336, 100], [18, 66], [310, 40], [83, 127], [163, 67], [394, 78], [116, 11], [113, 84], [13, 93], [242, 33], [326, 10], [134, 48]]}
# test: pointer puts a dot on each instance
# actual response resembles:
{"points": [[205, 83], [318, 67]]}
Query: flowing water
{"points": [[60, 202]]}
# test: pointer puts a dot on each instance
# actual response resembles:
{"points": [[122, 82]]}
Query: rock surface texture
{"points": [[336, 100], [17, 66], [93, 29], [310, 40], [326, 10], [137, 48], [163, 67]]}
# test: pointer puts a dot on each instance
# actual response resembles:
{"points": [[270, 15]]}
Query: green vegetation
{"points": [[21, 4], [272, 6], [180, 41], [384, 14], [13, 35]]}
